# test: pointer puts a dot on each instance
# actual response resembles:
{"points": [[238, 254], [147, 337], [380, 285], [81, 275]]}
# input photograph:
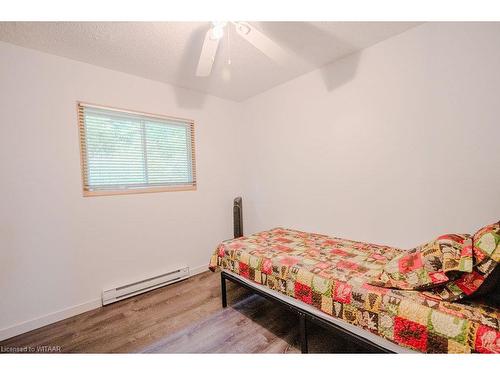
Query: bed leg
{"points": [[223, 290], [303, 333]]}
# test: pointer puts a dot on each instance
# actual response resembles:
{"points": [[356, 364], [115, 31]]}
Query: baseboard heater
{"points": [[142, 286]]}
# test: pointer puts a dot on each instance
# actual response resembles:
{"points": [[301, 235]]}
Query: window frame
{"points": [[80, 105]]}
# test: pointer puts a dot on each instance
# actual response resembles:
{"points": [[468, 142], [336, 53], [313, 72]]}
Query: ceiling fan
{"points": [[259, 40]]}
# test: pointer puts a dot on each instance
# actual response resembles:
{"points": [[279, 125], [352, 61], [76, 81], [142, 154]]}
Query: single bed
{"points": [[325, 279]]}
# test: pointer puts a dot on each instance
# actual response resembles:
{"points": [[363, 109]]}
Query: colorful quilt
{"points": [[332, 274]]}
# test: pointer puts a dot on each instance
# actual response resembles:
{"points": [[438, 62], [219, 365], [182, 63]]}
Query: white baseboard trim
{"points": [[30, 325], [196, 270]]}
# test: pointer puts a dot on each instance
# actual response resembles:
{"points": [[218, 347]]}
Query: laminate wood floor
{"points": [[185, 317]]}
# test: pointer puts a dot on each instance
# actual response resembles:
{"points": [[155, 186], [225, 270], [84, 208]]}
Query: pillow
{"points": [[487, 243], [486, 254], [429, 265]]}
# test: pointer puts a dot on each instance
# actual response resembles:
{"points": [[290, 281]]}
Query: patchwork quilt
{"points": [[336, 275]]}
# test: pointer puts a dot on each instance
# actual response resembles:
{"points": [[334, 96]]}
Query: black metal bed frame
{"points": [[304, 317]]}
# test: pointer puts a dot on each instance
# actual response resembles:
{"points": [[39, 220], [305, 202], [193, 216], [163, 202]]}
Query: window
{"points": [[130, 152]]}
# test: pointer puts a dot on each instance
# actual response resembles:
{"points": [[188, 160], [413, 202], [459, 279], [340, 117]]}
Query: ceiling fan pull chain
{"points": [[228, 46]]}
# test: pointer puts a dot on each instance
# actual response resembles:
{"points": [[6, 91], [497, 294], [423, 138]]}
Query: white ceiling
{"points": [[169, 51]]}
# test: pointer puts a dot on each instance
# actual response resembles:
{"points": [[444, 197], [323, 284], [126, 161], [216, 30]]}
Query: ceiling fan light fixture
{"points": [[217, 31], [259, 40]]}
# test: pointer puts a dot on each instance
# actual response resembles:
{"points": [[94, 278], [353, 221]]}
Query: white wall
{"points": [[58, 249], [393, 145]]}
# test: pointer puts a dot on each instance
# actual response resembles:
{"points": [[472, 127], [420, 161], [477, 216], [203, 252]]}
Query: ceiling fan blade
{"points": [[207, 55], [263, 43]]}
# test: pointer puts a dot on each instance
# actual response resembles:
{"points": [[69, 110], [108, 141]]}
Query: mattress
{"points": [[331, 276]]}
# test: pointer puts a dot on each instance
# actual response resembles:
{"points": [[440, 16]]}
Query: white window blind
{"points": [[124, 151]]}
